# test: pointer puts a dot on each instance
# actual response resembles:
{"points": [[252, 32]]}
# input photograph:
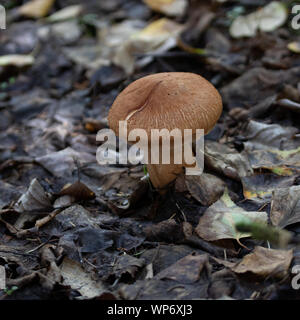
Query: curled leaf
{"points": [[268, 18]]}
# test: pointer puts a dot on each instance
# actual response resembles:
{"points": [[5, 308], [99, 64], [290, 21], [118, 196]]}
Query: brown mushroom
{"points": [[167, 100]]}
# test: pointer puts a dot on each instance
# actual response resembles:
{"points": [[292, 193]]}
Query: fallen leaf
{"points": [[66, 13], [127, 265], [261, 82], [36, 8], [205, 188], [226, 160], [92, 240], [35, 198], [186, 270], [168, 7], [259, 187], [265, 262], [294, 46], [285, 209], [78, 190], [79, 280], [90, 57], [17, 60], [62, 163], [159, 35], [74, 217], [168, 231], [268, 18], [219, 220]]}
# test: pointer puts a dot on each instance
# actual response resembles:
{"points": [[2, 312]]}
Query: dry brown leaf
{"points": [[187, 269], [205, 188], [265, 262], [79, 280], [78, 190]]}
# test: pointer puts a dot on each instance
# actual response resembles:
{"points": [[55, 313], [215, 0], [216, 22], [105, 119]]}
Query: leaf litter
{"points": [[70, 228]]}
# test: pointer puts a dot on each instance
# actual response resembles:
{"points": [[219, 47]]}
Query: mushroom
{"points": [[167, 100]]}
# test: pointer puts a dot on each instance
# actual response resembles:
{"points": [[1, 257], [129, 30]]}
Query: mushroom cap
{"points": [[167, 100]]}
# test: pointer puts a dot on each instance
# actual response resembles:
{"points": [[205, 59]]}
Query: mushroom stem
{"points": [[163, 174]]}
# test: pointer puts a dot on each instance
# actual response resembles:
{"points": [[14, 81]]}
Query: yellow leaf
{"points": [[168, 7], [36, 8], [294, 46]]}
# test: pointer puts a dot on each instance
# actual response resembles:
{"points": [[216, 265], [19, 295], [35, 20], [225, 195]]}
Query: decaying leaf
{"points": [[35, 198], [226, 160], [236, 93], [127, 265], [75, 277], [168, 7], [265, 262], [285, 209], [205, 188], [36, 8], [186, 270], [90, 57], [78, 190], [159, 35], [273, 147], [61, 163], [268, 18], [219, 220], [259, 187]]}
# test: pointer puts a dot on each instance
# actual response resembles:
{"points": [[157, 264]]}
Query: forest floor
{"points": [[71, 228]]}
